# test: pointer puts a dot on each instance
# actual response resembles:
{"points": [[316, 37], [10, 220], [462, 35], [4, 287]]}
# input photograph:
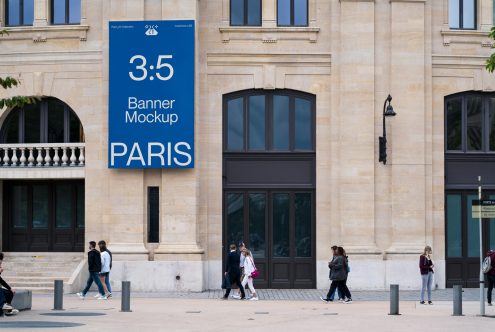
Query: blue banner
{"points": [[151, 94]]}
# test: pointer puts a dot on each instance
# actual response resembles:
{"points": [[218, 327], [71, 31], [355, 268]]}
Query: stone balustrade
{"points": [[42, 155]]}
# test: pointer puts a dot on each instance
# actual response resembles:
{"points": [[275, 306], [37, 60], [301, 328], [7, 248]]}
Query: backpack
{"points": [[487, 264], [111, 258]]}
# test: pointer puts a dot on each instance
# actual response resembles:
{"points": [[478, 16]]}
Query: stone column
{"points": [[486, 15], [357, 114], [407, 135], [179, 232], [2, 10], [123, 218], [269, 13], [40, 13], [84, 12]]}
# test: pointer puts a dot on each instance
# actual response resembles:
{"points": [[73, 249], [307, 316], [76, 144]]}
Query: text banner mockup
{"points": [[151, 94]]}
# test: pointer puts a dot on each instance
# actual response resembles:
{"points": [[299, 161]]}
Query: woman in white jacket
{"points": [[249, 268], [105, 268]]}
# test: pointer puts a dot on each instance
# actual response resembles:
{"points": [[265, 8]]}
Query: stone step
{"points": [[43, 255], [45, 273], [14, 280], [38, 265], [38, 271]]}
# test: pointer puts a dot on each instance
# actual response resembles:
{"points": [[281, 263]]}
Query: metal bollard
{"points": [[58, 295], [126, 296], [457, 300], [394, 300]]}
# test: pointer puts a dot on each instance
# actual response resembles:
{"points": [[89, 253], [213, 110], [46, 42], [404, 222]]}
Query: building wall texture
{"points": [[351, 56]]}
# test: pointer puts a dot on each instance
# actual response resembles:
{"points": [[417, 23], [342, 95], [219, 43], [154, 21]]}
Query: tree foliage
{"points": [[490, 63], [10, 82]]}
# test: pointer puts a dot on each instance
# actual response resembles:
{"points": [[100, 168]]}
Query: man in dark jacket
{"points": [[94, 267], [232, 268], [490, 277]]}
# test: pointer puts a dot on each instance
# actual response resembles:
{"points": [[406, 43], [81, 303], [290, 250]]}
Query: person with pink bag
{"points": [[250, 272]]}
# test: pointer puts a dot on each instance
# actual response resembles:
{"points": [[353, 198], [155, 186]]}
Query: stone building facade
{"points": [[337, 61]]}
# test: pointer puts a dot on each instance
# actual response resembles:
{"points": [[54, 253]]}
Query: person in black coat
{"points": [[233, 270], [94, 267]]}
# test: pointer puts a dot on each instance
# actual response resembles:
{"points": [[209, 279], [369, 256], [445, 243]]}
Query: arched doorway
{"points": [[269, 183], [42, 214], [469, 153]]}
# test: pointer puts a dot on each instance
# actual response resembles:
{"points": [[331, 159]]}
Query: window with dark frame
{"points": [[153, 214], [47, 121], [65, 12], [19, 12], [292, 13], [245, 12], [278, 121], [470, 123], [462, 14]]}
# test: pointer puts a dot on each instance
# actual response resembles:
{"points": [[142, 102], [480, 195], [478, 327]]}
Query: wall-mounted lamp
{"points": [[389, 111]]}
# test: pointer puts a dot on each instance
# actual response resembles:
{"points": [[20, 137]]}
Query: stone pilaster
{"points": [[41, 13], [356, 199], [179, 231], [406, 144]]}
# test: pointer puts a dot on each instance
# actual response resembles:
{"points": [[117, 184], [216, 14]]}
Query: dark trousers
{"points": [[341, 286], [2, 300], [491, 282], [235, 279], [93, 276], [8, 295]]}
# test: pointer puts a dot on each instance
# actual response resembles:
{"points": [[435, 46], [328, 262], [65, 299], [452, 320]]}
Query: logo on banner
{"points": [[151, 30]]}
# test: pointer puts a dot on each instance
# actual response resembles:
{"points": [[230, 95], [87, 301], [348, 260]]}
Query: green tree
{"points": [[490, 63], [11, 82]]}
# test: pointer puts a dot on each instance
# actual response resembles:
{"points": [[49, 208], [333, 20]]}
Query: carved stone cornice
{"points": [[43, 33], [269, 35], [466, 37]]}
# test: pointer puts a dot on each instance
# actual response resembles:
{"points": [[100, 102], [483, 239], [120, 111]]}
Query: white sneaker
{"points": [[12, 312], [236, 297], [348, 301], [97, 295], [254, 298], [102, 297], [81, 295], [7, 306], [109, 295]]}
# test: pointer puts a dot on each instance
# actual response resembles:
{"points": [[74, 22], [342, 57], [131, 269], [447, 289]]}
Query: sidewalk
{"points": [[197, 312]]}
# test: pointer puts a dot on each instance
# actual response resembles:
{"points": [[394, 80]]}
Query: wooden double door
{"points": [[43, 216], [278, 226]]}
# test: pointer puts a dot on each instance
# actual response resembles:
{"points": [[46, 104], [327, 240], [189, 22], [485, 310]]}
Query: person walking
{"points": [[249, 268], [94, 267], [232, 269], [426, 270], [240, 249], [332, 296], [6, 293], [338, 274], [106, 264], [490, 277]]}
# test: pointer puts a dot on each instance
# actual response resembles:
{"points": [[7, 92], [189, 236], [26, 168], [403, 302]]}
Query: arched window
{"points": [[277, 121], [470, 123], [48, 121]]}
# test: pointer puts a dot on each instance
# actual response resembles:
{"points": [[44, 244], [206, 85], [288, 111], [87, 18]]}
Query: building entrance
{"points": [[43, 216], [278, 227], [269, 183]]}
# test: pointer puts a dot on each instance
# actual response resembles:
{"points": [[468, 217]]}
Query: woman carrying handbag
{"points": [[250, 272]]}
